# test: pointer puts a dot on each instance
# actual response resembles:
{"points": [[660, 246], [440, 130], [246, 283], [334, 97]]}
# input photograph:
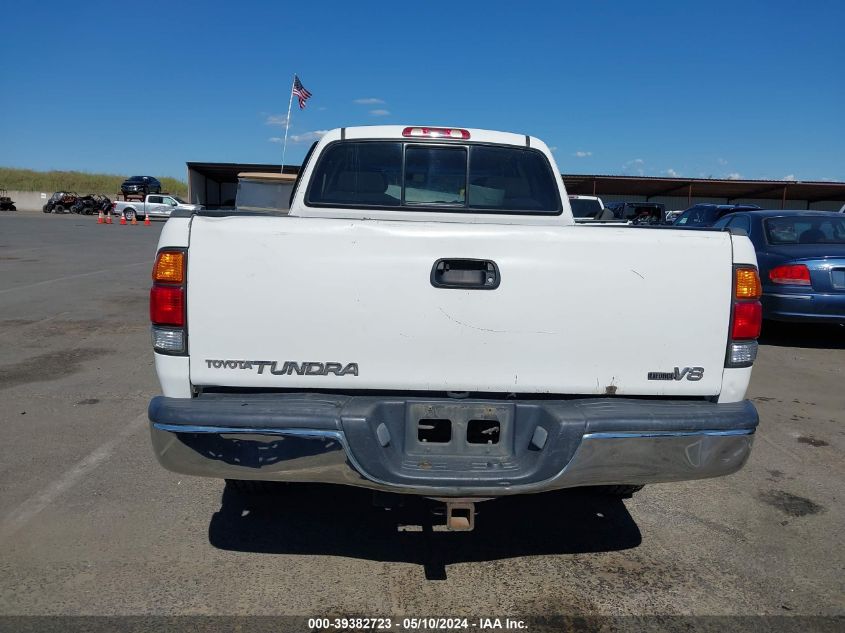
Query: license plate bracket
{"points": [[473, 428]]}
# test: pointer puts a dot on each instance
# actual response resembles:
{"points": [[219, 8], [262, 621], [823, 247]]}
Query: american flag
{"points": [[300, 91]]}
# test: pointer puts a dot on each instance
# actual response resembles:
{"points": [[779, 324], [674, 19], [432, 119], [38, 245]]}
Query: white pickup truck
{"points": [[427, 319], [155, 205]]}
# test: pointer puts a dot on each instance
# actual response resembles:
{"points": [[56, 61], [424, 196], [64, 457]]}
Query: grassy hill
{"points": [[81, 182]]}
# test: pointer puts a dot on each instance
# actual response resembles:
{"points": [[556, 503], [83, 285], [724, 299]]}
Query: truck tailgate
{"points": [[350, 305]]}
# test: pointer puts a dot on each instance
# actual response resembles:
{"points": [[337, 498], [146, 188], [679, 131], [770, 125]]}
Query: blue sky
{"points": [[710, 89]]}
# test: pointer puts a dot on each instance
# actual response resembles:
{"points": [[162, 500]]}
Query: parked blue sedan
{"points": [[801, 255]]}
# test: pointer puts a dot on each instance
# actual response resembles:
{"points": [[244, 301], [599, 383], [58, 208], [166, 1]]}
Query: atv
{"points": [[101, 203], [90, 204], [6, 203], [60, 202], [84, 205]]}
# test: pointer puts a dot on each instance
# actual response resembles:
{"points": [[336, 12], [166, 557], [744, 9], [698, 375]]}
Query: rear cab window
{"points": [[415, 176]]}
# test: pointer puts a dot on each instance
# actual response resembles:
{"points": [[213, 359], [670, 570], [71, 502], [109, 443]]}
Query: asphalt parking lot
{"points": [[90, 524]]}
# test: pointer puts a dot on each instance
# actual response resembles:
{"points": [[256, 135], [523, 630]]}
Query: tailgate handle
{"points": [[469, 274]]}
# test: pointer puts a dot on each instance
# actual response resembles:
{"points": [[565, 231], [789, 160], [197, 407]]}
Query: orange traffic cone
{"points": [[147, 221], [134, 221], [123, 220], [108, 218], [100, 218]]}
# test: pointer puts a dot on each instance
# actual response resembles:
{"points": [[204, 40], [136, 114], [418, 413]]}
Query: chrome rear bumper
{"points": [[312, 439]]}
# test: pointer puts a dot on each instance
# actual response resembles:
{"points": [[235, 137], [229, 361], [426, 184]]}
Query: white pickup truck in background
{"points": [[427, 319], [588, 209], [155, 205]]}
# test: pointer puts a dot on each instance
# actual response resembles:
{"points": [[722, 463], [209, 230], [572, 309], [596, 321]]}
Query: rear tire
{"points": [[58, 209]]}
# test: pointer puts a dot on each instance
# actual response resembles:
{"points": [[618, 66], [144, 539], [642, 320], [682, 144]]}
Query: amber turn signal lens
{"points": [[748, 283], [169, 267]]}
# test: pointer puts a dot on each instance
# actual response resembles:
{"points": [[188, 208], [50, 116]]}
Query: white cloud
{"points": [[553, 148], [789, 177], [634, 166], [368, 101], [276, 119], [734, 175], [672, 173], [306, 137], [582, 154], [721, 161], [379, 112]]}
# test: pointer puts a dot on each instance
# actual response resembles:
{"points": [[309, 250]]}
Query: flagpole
{"points": [[287, 124]]}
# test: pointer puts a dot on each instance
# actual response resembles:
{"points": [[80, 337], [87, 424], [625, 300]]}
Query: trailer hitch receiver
{"points": [[460, 516]]}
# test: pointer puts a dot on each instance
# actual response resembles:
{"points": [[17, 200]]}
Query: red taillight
{"points": [[791, 274], [436, 132], [748, 319], [167, 305]]}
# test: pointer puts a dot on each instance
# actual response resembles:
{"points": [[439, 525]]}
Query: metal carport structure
{"points": [[680, 193], [215, 185]]}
